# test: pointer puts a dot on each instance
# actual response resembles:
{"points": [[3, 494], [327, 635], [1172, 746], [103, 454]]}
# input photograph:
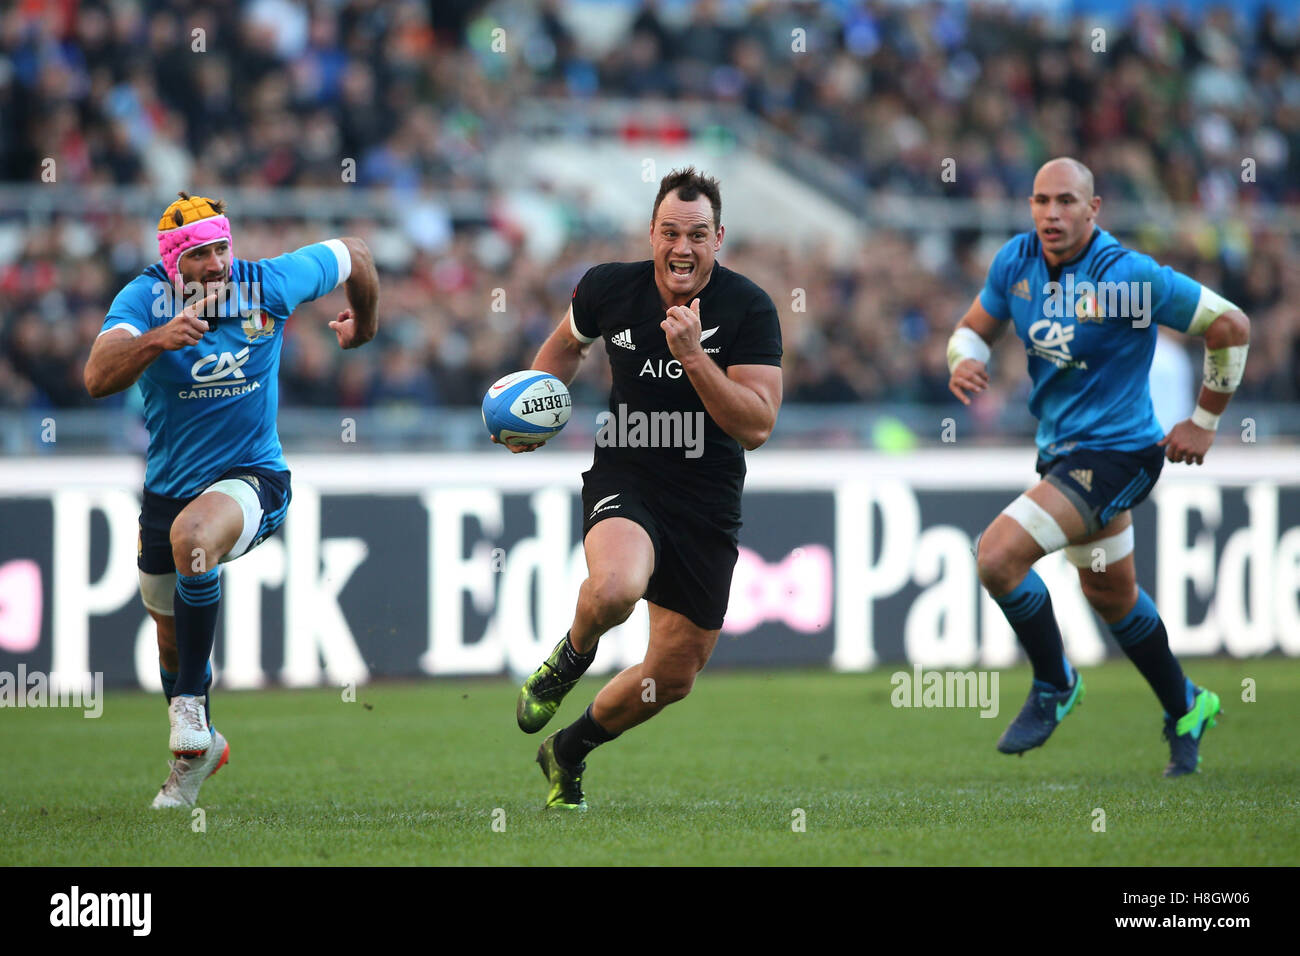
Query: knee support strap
{"points": [[158, 591], [244, 496], [1042, 527], [1115, 548]]}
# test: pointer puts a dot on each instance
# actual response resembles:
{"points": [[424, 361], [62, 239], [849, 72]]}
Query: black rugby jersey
{"points": [[651, 394]]}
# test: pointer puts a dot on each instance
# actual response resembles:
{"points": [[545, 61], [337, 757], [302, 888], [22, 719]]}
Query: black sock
{"points": [[574, 742], [1142, 635], [198, 598], [572, 664], [1029, 611]]}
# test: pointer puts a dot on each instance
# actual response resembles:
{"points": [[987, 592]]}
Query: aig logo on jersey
{"points": [[661, 369], [216, 368], [257, 324]]}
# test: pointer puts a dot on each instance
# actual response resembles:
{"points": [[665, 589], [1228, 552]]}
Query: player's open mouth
{"points": [[1052, 233], [680, 267]]}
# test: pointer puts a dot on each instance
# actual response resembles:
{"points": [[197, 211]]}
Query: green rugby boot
{"points": [[1185, 733], [566, 784], [542, 693]]}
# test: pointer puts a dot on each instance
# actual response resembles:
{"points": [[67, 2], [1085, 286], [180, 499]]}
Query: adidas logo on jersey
{"points": [[1084, 477], [1021, 289], [624, 339]]}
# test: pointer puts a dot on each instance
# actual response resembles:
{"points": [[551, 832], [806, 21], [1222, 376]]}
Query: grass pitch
{"points": [[421, 775]]}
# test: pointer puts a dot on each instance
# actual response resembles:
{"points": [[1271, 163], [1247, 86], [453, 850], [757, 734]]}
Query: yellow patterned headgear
{"points": [[189, 222]]}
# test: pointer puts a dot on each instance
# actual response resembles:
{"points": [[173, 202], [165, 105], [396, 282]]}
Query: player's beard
{"points": [[220, 285]]}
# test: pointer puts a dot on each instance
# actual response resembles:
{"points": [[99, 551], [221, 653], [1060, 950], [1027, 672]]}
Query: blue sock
{"points": [[168, 682], [197, 599], [1144, 639], [1028, 609]]}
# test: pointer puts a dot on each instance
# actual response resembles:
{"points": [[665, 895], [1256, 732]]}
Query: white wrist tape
{"points": [[966, 343], [1224, 368], [1203, 419]]}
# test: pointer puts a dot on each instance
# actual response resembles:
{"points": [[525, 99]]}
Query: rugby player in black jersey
{"points": [[695, 352]]}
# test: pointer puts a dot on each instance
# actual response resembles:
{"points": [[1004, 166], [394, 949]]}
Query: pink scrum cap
{"points": [[188, 223]]}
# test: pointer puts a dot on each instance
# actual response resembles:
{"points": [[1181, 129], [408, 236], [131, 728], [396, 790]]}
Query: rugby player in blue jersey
{"points": [[216, 483], [1087, 310]]}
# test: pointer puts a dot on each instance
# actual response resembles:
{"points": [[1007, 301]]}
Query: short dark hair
{"points": [[689, 186]]}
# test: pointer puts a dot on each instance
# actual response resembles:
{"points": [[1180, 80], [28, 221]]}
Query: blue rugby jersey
{"points": [[212, 406], [1089, 328]]}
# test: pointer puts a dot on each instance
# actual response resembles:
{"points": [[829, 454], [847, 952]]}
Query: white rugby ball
{"points": [[526, 408]]}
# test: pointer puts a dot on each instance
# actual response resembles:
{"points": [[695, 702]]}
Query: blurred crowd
{"points": [[118, 94]]}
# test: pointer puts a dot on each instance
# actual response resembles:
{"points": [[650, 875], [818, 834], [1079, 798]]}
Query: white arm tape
{"points": [[1209, 307], [966, 343], [1224, 368], [344, 256]]}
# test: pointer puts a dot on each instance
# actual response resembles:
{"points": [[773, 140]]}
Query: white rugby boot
{"points": [[191, 736], [182, 786]]}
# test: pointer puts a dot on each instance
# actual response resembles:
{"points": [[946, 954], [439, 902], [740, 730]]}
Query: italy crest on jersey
{"points": [[1087, 308], [258, 324]]}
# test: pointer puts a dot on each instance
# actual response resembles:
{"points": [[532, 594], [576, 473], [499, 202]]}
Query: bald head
{"points": [[1064, 208], [1068, 172]]}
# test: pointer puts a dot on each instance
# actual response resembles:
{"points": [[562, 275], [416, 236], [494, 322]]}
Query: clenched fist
{"points": [[1187, 442], [682, 329]]}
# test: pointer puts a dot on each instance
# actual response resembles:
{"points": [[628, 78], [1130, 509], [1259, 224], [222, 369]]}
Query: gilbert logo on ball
{"points": [[526, 408]]}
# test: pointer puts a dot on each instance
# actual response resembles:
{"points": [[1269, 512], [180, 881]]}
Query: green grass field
{"points": [[418, 776]]}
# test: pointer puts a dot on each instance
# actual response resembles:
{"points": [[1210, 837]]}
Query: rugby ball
{"points": [[526, 408]]}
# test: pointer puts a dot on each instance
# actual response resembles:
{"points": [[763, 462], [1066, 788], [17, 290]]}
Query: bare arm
{"points": [[357, 325], [1231, 328], [1188, 441], [562, 352], [118, 358], [972, 375], [743, 400]]}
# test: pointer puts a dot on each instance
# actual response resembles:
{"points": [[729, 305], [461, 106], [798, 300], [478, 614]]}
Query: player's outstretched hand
{"points": [[345, 330], [682, 329], [1187, 442], [516, 449], [188, 327], [970, 375]]}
